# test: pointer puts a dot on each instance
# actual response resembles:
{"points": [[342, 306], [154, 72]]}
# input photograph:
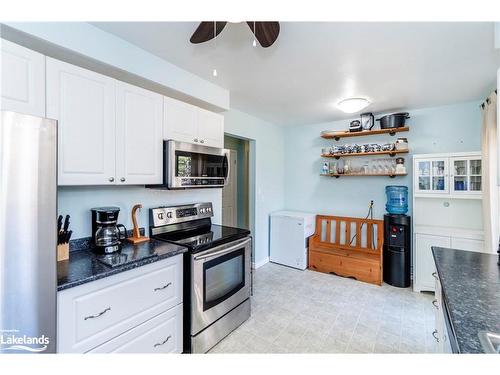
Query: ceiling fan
{"points": [[265, 32]]}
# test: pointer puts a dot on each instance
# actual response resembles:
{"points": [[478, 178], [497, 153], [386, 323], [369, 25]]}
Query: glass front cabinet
{"points": [[454, 175]]}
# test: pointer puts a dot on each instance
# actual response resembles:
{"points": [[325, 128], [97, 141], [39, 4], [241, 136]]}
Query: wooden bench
{"points": [[348, 246]]}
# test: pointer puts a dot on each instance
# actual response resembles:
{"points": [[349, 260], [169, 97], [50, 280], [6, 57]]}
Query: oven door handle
{"points": [[223, 251]]}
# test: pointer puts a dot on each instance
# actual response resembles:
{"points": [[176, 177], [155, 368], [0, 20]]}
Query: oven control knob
{"points": [[202, 210], [160, 216], [169, 215]]}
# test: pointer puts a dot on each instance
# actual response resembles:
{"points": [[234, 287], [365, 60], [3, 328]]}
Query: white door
{"points": [[230, 193], [210, 128], [84, 104], [424, 261], [180, 121], [139, 140], [431, 176], [22, 79], [467, 244], [288, 242]]}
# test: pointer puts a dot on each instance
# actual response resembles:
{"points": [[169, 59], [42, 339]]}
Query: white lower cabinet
{"points": [[161, 334], [440, 332], [424, 267], [94, 313], [424, 262]]}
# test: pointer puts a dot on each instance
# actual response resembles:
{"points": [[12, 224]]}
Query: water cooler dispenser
{"points": [[397, 238]]}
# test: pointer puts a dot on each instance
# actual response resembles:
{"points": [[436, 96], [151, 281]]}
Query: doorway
{"points": [[235, 195]]}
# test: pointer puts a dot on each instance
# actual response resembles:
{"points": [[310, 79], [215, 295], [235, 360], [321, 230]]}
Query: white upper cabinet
{"points": [[139, 141], [22, 79], [84, 104], [188, 123], [210, 128], [457, 175]]}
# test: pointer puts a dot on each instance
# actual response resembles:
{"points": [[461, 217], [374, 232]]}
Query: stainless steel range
{"points": [[217, 272]]}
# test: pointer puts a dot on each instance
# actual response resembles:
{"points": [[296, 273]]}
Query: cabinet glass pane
{"points": [[424, 183], [460, 167], [424, 168], [460, 183], [438, 168], [438, 183], [475, 167], [475, 183]]}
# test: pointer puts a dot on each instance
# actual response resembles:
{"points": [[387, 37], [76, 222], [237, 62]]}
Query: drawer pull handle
{"points": [[434, 335], [434, 274], [435, 304], [98, 315], [163, 342], [163, 287]]}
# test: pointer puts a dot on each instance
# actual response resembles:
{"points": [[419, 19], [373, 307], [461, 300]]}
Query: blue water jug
{"points": [[397, 199]]}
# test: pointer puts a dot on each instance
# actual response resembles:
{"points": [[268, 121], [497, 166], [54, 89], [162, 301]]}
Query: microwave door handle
{"points": [[227, 166]]}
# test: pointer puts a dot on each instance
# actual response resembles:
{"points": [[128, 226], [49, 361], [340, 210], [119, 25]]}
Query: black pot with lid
{"points": [[394, 120]]}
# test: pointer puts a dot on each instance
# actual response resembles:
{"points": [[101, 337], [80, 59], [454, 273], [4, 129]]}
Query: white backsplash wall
{"points": [[77, 202]]}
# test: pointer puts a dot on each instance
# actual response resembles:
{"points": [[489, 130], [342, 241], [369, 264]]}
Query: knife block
{"points": [[63, 252]]}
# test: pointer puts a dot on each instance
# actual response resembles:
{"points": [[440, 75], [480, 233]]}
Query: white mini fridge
{"points": [[290, 231]]}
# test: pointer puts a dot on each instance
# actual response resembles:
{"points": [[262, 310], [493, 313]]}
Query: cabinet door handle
{"points": [[98, 315], [111, 179], [435, 304], [163, 342], [122, 179], [434, 274], [196, 139], [434, 335], [163, 287], [202, 141]]}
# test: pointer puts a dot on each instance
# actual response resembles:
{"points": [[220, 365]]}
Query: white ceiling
{"points": [[314, 65]]}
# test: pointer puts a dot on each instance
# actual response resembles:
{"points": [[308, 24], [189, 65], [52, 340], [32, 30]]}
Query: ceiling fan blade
{"points": [[205, 31], [265, 32]]}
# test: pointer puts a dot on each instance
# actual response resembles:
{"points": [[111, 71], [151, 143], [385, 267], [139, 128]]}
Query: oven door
{"points": [[195, 166], [220, 282]]}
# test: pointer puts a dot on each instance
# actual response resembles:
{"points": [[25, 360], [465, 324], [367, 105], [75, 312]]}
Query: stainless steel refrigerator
{"points": [[28, 238]]}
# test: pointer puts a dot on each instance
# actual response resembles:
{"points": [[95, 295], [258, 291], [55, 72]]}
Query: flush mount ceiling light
{"points": [[352, 105]]}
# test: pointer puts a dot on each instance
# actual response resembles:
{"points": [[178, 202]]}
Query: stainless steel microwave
{"points": [[188, 166]]}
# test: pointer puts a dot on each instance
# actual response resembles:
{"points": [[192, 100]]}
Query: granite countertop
{"points": [[83, 265], [471, 290]]}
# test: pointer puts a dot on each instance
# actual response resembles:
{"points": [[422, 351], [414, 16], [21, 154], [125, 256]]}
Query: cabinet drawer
{"points": [[93, 313], [161, 334]]}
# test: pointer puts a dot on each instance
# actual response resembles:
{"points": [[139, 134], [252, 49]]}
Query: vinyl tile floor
{"points": [[297, 311]]}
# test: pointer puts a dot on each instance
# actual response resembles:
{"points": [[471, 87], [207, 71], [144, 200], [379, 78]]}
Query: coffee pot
{"points": [[106, 233]]}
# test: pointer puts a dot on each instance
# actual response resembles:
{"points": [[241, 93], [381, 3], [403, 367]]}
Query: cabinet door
{"points": [[466, 175], [431, 176], [180, 121], [22, 79], [139, 141], [467, 244], [424, 261], [210, 128], [84, 104]]}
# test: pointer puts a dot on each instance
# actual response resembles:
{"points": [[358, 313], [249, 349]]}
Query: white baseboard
{"points": [[259, 264]]}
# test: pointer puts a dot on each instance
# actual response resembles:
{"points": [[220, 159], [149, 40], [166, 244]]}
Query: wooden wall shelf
{"points": [[337, 175], [348, 134], [390, 153]]}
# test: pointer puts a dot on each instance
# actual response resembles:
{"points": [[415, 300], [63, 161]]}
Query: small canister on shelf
{"points": [[400, 166], [402, 144]]}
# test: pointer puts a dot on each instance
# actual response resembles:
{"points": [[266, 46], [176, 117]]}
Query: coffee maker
{"points": [[106, 234]]}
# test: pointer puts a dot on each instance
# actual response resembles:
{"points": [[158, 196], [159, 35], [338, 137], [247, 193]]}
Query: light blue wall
{"points": [[267, 151], [452, 128], [77, 201]]}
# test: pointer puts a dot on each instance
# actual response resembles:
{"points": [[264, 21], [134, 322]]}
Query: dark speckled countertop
{"points": [[471, 289], [83, 267]]}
